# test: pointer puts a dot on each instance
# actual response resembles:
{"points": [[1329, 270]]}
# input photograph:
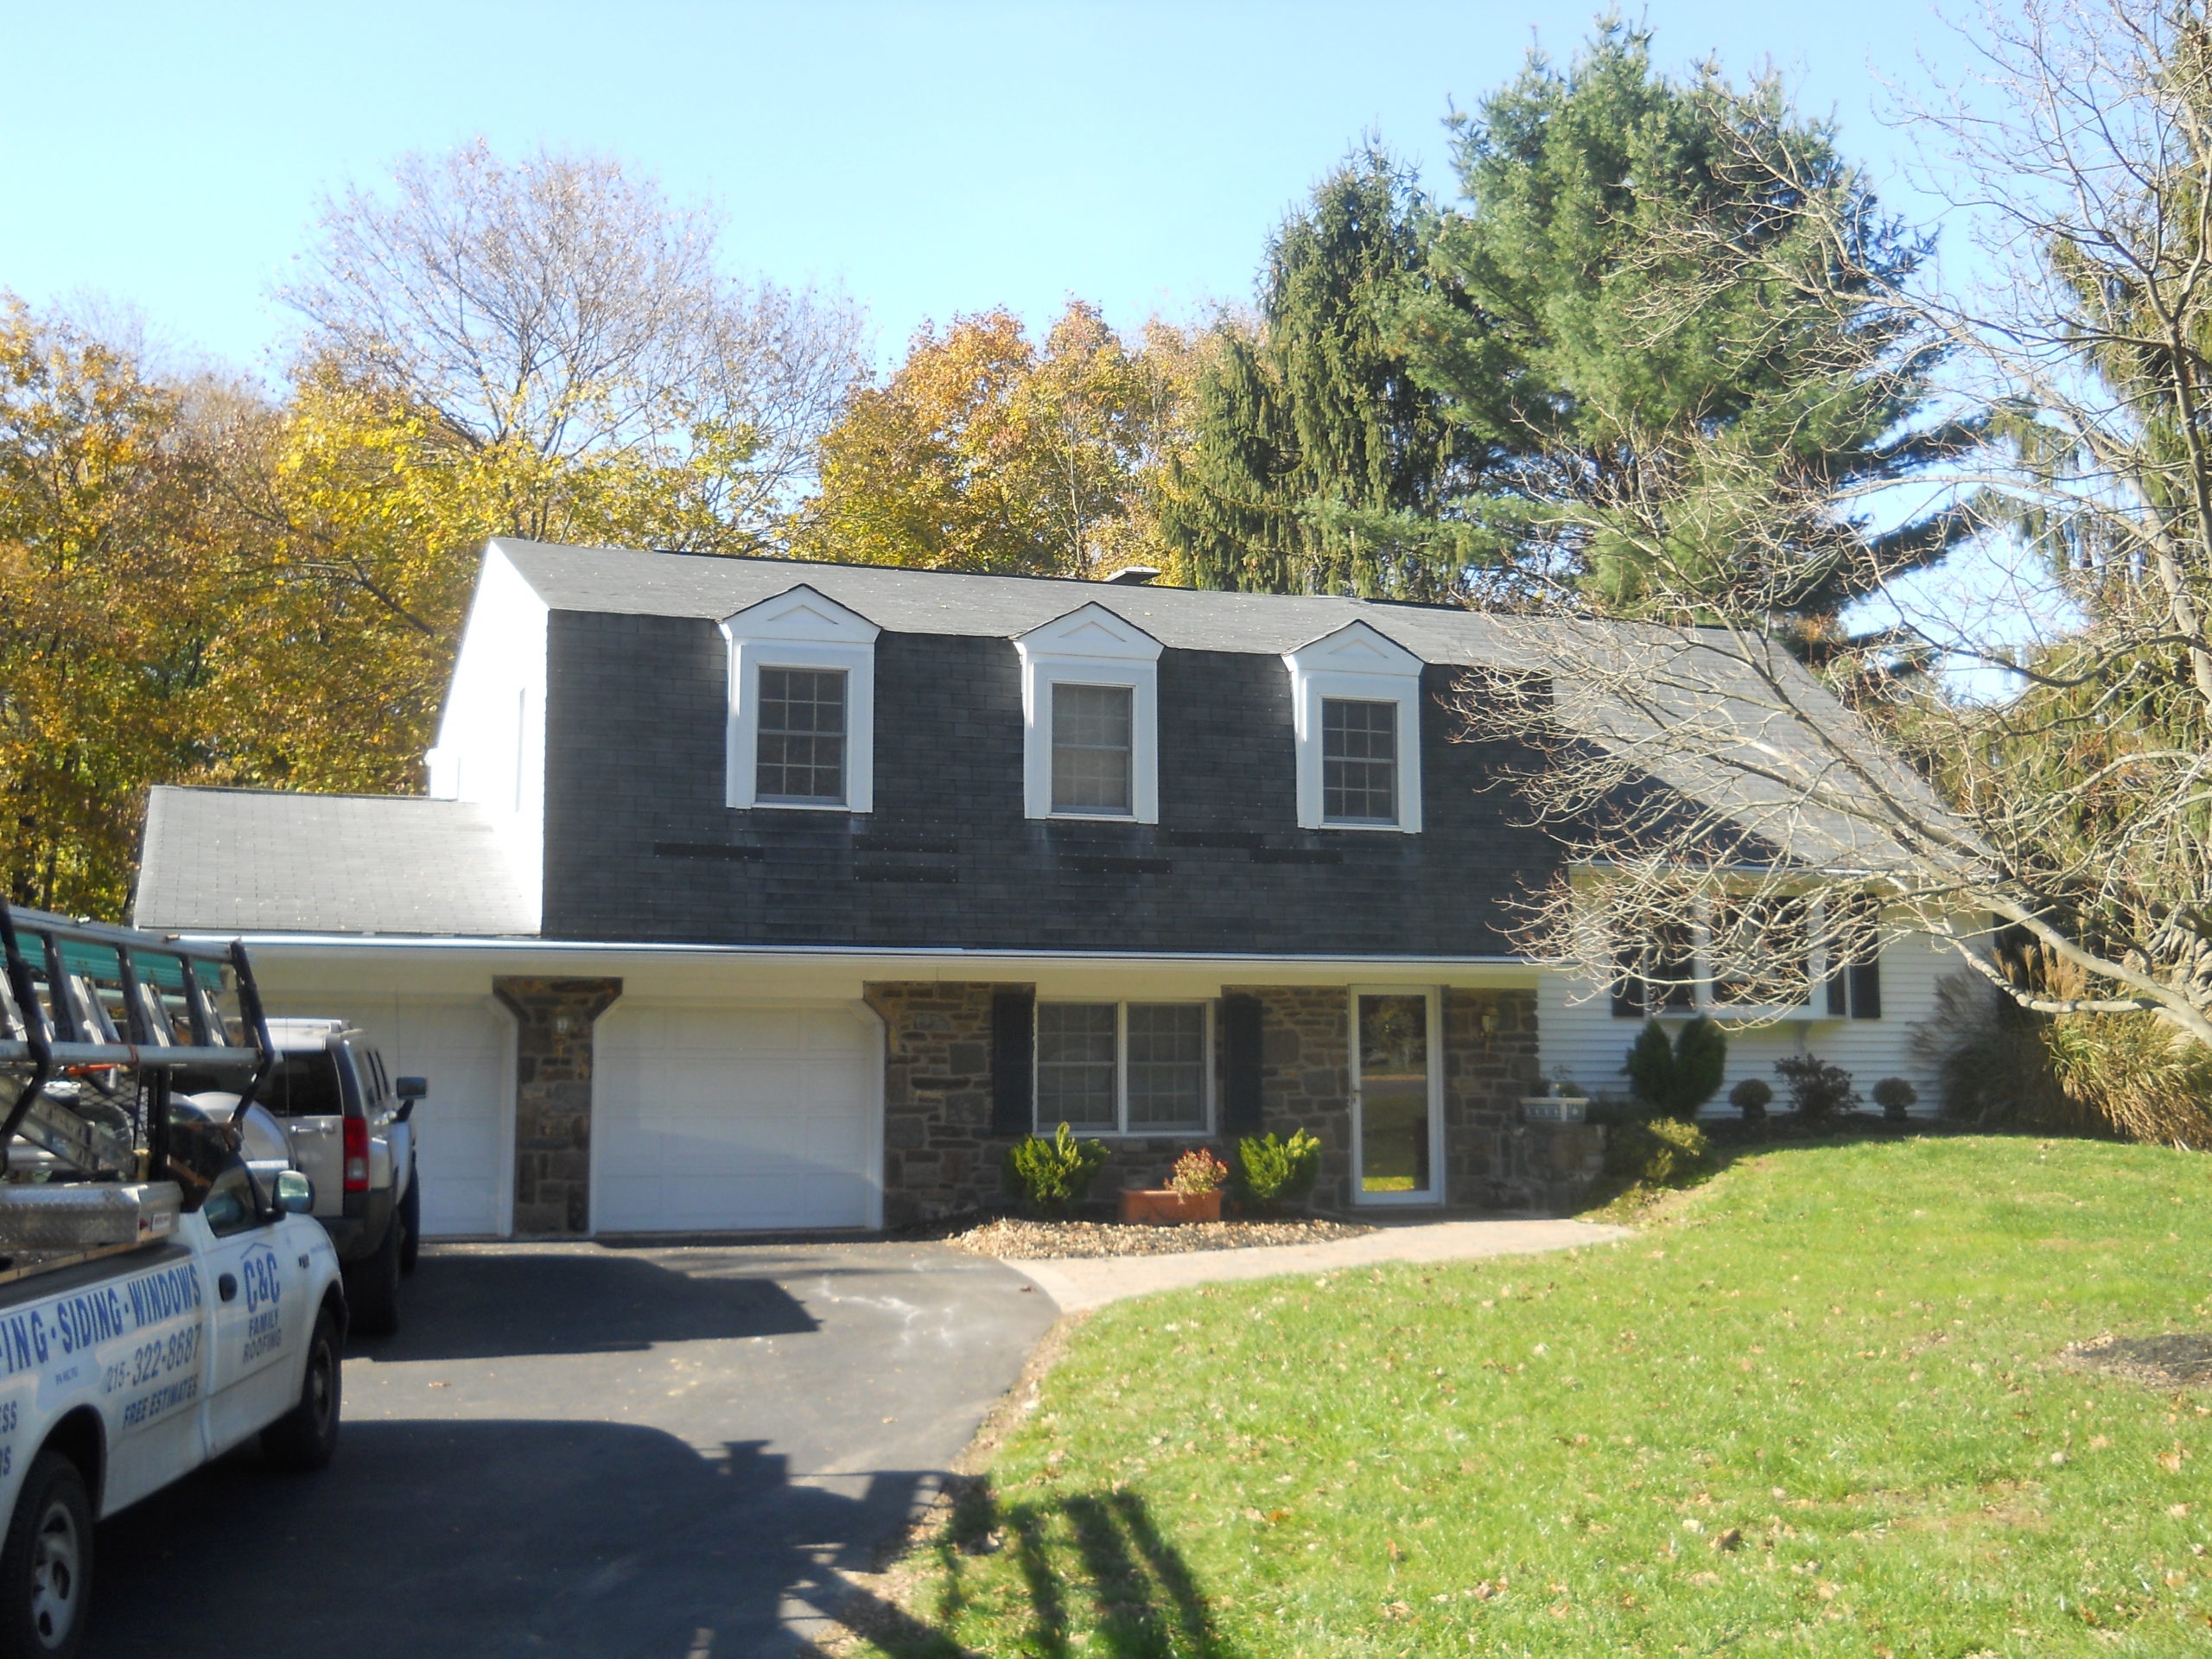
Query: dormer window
{"points": [[1359, 762], [799, 755], [1090, 715], [1092, 726], [1355, 711], [802, 705]]}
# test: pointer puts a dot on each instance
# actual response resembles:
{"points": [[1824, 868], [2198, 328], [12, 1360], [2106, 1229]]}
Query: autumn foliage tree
{"points": [[986, 451], [107, 609]]}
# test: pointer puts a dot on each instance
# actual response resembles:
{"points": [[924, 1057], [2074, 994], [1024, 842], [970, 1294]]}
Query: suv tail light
{"points": [[357, 1155]]}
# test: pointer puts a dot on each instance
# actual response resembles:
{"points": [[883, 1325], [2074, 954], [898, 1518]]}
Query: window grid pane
{"points": [[1359, 761], [1167, 1065], [1091, 748], [1075, 1065], [801, 742]]}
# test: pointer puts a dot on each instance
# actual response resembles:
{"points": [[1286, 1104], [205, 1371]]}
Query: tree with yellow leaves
{"points": [[107, 609], [985, 452]]}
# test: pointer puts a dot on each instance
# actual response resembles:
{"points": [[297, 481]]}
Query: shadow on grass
{"points": [[1099, 1552]]}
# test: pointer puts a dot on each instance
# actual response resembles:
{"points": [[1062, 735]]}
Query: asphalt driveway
{"points": [[584, 1449]]}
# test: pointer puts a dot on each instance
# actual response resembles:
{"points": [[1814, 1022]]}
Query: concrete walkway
{"points": [[1092, 1281]]}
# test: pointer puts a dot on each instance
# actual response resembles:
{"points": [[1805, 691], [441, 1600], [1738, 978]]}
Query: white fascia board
{"points": [[800, 627], [1090, 645], [1358, 663]]}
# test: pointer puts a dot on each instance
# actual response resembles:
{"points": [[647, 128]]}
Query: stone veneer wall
{"points": [[553, 1061], [940, 1157]]}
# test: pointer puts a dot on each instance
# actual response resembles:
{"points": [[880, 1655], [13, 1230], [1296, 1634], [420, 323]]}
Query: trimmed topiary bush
{"points": [[1278, 1172], [1896, 1097], [1665, 1152], [1818, 1089], [1051, 1177], [1675, 1079], [1751, 1097]]}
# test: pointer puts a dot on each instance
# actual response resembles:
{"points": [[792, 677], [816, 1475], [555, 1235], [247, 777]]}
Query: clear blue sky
{"points": [[931, 158]]}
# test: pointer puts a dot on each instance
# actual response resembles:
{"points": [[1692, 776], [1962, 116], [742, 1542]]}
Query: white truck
{"points": [[160, 1300]]}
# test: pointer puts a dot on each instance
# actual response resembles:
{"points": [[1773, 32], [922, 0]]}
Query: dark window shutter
{"points": [[1240, 1065], [1014, 1052], [1866, 988], [1839, 993]]}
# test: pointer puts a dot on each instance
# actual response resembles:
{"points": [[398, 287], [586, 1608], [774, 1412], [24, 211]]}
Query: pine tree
{"points": [[1309, 431], [1642, 325]]}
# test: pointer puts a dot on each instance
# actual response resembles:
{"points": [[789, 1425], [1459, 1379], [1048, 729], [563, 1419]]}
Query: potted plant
{"points": [[1193, 1193]]}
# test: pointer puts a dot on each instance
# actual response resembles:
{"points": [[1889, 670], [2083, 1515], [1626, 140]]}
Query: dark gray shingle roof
{"points": [[251, 860], [616, 581]]}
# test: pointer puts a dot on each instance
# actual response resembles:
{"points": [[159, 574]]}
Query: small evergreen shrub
{"points": [[1197, 1172], [1675, 1079], [1818, 1089], [1051, 1177], [1664, 1152], [1896, 1097], [1751, 1097], [1279, 1173]]}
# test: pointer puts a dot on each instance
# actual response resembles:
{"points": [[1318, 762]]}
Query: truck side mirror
{"points": [[410, 1087], [295, 1193]]}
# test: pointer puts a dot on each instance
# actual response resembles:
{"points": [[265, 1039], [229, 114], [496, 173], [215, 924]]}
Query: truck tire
{"points": [[46, 1567], [372, 1285], [304, 1438], [410, 1213]]}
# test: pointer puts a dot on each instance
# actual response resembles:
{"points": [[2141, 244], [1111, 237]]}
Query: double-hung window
{"points": [[1091, 718], [799, 755], [1124, 1068], [1091, 747], [1356, 700], [1359, 761], [802, 705]]}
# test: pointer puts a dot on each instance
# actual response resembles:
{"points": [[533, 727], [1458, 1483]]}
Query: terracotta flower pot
{"points": [[1161, 1207]]}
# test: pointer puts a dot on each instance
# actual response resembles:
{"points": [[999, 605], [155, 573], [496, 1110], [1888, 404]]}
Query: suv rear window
{"points": [[302, 1085]]}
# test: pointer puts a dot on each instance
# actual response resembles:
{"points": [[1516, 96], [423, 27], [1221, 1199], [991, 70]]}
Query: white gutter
{"points": [[840, 952]]}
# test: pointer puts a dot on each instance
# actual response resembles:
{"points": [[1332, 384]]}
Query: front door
{"points": [[1397, 1098]]}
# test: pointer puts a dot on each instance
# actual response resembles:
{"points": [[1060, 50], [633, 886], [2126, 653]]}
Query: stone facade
{"points": [[553, 1064], [940, 1157]]}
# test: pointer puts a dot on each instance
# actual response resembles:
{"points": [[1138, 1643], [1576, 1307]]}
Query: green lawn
{"points": [[1811, 1410]]}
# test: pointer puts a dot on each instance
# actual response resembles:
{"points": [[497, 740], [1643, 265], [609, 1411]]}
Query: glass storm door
{"points": [[1397, 1124]]}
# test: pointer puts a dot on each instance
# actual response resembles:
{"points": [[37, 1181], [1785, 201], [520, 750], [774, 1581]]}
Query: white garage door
{"points": [[737, 1118], [464, 1051]]}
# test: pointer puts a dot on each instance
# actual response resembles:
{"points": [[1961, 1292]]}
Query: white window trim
{"points": [[1091, 646], [1121, 1131], [1357, 665], [799, 628]]}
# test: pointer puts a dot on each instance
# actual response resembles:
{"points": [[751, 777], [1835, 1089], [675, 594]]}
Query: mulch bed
{"points": [[1045, 1241], [2180, 1361]]}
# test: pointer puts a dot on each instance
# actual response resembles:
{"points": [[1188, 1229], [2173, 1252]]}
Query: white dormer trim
{"points": [[1361, 664], [1091, 646], [800, 628]]}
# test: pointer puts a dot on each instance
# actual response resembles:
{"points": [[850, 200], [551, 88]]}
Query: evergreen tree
{"points": [[1308, 433], [1641, 317]]}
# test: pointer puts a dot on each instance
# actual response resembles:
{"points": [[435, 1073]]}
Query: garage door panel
{"points": [[713, 1118], [462, 1046]]}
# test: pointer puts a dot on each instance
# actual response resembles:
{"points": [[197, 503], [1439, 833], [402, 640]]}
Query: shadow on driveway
{"points": [[489, 1304]]}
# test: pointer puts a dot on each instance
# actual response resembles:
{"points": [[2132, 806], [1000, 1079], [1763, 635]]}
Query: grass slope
{"points": [[1813, 1410]]}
